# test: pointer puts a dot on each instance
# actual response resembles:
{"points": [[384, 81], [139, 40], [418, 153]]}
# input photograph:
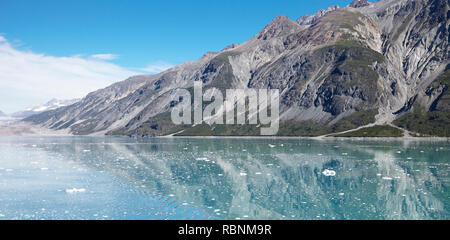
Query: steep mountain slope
{"points": [[336, 70]]}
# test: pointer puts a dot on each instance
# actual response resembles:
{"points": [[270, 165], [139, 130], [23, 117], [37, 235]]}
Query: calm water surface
{"points": [[166, 178]]}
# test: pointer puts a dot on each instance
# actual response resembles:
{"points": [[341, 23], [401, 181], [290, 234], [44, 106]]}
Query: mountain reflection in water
{"points": [[179, 178]]}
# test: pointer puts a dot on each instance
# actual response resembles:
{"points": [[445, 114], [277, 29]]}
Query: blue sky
{"points": [[135, 35]]}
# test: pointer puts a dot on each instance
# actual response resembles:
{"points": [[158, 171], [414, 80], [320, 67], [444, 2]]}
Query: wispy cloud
{"points": [[27, 77], [105, 57], [157, 67]]}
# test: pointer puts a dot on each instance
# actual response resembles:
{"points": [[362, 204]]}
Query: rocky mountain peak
{"points": [[311, 19], [359, 3], [279, 26]]}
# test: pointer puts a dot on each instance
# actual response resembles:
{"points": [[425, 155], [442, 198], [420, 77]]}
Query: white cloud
{"points": [[106, 56], [27, 77], [157, 67]]}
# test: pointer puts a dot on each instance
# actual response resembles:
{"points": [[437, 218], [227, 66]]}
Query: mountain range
{"points": [[368, 69], [39, 108], [2, 114]]}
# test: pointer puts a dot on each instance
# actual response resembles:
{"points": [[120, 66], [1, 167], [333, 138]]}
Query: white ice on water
{"points": [[75, 190], [329, 173]]}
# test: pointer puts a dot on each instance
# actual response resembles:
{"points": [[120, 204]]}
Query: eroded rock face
{"points": [[382, 55], [359, 3]]}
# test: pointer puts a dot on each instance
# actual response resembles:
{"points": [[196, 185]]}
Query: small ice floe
{"points": [[341, 194], [220, 174], [243, 174], [8, 170], [387, 178], [202, 159], [345, 154], [44, 169], [76, 190], [329, 173], [378, 174], [258, 173], [171, 195], [399, 151], [272, 146], [34, 163], [422, 151], [244, 150], [86, 150], [281, 145], [34, 145], [216, 210], [320, 154], [409, 158]]}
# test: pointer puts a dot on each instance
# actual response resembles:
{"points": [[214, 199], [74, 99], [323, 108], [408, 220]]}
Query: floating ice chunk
{"points": [[320, 154], [345, 154], [202, 159], [243, 174], [75, 190], [341, 194], [86, 150], [399, 151], [44, 169], [258, 173], [8, 170], [387, 178], [409, 158], [329, 173], [378, 174], [272, 146]]}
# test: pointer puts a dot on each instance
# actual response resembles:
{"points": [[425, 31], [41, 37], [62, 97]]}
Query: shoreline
{"points": [[440, 139], [410, 139], [22, 129]]}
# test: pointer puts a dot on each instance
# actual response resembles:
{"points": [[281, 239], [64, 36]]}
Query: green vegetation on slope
{"points": [[436, 120], [419, 120], [355, 120]]}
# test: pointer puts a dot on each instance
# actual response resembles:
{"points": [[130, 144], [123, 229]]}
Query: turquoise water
{"points": [[180, 178]]}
